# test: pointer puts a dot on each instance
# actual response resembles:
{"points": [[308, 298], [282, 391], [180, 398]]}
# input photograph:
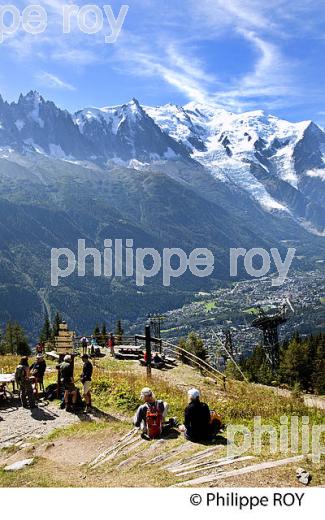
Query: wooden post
{"points": [[148, 350], [63, 346]]}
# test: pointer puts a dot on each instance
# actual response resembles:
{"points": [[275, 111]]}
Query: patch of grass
{"points": [[9, 450], [8, 364], [251, 310], [79, 428]]}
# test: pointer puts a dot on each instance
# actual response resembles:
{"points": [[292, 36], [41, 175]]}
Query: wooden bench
{"points": [[121, 355]]}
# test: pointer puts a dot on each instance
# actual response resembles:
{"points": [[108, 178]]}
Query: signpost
{"points": [[64, 345]]}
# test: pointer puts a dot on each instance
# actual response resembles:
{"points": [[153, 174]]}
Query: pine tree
{"points": [[8, 340], [56, 324], [21, 343], [232, 371], [182, 345], [15, 341], [194, 345], [255, 364], [294, 366], [318, 373], [104, 333], [118, 333], [96, 333], [46, 332], [302, 364]]}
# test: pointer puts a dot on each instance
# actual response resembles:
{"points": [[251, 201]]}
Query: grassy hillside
{"points": [[116, 389]]}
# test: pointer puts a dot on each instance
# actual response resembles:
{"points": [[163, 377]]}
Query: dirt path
{"points": [[18, 424]]}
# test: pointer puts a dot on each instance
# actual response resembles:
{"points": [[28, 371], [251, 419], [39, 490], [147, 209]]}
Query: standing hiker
{"points": [[87, 372], [111, 344], [26, 392], [150, 416], [37, 370], [66, 375], [84, 344], [40, 348]]}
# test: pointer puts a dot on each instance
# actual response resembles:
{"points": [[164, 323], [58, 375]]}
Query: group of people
{"points": [[30, 380], [200, 423], [70, 391], [91, 347], [157, 360]]}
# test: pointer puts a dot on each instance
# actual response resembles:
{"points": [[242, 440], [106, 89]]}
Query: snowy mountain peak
{"points": [[134, 103], [279, 164], [33, 96]]}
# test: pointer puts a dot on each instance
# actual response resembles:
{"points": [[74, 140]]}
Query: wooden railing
{"points": [[196, 361]]}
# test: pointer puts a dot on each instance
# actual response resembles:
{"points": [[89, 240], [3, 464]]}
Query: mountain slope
{"points": [[166, 177], [126, 132], [279, 164]]}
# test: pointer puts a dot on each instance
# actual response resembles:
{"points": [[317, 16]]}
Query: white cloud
{"points": [[52, 81], [269, 79], [77, 56], [173, 40], [173, 55]]}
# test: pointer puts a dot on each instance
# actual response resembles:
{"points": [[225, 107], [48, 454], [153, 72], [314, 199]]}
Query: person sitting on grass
{"points": [[66, 376], [200, 424], [157, 361], [150, 416]]}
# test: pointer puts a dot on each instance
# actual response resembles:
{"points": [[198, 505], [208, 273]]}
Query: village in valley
{"points": [[234, 307]]}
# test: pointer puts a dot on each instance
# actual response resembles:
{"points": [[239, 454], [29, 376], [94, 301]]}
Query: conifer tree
{"points": [[96, 333], [294, 364], [118, 332], [46, 332], [56, 324], [232, 371], [318, 373], [15, 341], [104, 333], [193, 344]]}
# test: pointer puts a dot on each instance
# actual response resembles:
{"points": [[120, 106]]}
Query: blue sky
{"points": [[236, 54]]}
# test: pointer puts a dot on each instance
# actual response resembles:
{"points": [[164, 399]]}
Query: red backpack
{"points": [[154, 421]]}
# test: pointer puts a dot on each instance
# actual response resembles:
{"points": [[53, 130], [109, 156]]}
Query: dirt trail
{"points": [[18, 424]]}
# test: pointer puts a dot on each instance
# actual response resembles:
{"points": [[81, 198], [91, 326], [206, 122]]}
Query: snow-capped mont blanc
{"points": [[274, 160], [278, 165]]}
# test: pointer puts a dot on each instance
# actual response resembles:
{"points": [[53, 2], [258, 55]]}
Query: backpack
{"points": [[154, 421], [51, 392]]}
